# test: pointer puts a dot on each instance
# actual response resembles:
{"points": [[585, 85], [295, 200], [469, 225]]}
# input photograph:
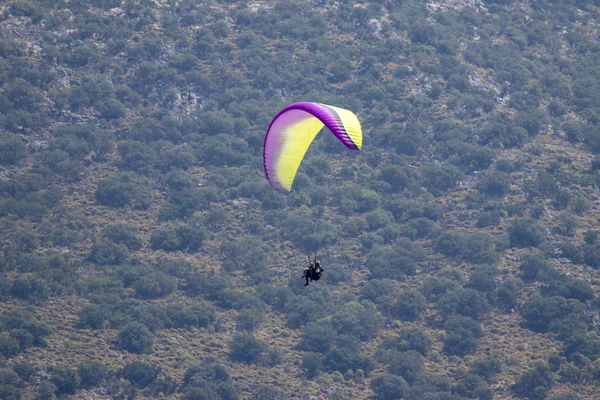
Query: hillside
{"points": [[143, 254]]}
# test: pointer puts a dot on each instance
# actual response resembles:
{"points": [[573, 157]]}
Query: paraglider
{"points": [[288, 138], [293, 130], [313, 272]]}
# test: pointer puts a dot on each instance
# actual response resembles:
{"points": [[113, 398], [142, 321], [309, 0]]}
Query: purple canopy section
{"points": [[327, 115]]}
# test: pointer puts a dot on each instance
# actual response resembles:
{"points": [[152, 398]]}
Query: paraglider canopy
{"points": [[292, 131]]}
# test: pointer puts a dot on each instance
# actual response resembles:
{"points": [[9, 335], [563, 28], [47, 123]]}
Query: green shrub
{"points": [[125, 189], [409, 305], [135, 338], [360, 320], [92, 373], [29, 287], [154, 285], [123, 234], [525, 232], [535, 383], [9, 346], [435, 287], [311, 364], [248, 320], [247, 349], [24, 370], [199, 316], [66, 380], [388, 387], [486, 367], [105, 252], [346, 355], [541, 312], [438, 179], [494, 183], [12, 149], [533, 267], [139, 373], [507, 294], [407, 364], [411, 338], [461, 335], [482, 278], [94, 316], [21, 320], [377, 290], [318, 336], [11, 386], [467, 302], [566, 396]]}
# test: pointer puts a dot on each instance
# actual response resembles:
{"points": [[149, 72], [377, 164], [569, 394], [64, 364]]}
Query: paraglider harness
{"points": [[314, 270]]}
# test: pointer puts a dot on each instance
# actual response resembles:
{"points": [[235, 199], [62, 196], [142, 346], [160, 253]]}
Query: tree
{"points": [[409, 305], [378, 218], [388, 387], [24, 321], [489, 218], [9, 346], [462, 334], [494, 183], [165, 239], [10, 385], [525, 232], [311, 364], [123, 234], [407, 364], [533, 267], [94, 316], [377, 290], [486, 367], [360, 320], [139, 373], [430, 386], [47, 390], [248, 320], [29, 287], [125, 189], [394, 262], [105, 252], [154, 285], [396, 176], [507, 293], [92, 373], [436, 287], [322, 330], [24, 370], [66, 380], [471, 386], [467, 302], [135, 338], [541, 312], [412, 338], [460, 345], [200, 315], [12, 149], [482, 279], [566, 396], [535, 383], [569, 288], [266, 392], [208, 380], [440, 178], [345, 355], [247, 348]]}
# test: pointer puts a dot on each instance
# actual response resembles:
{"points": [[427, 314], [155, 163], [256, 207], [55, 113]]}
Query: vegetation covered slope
{"points": [[143, 254]]}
